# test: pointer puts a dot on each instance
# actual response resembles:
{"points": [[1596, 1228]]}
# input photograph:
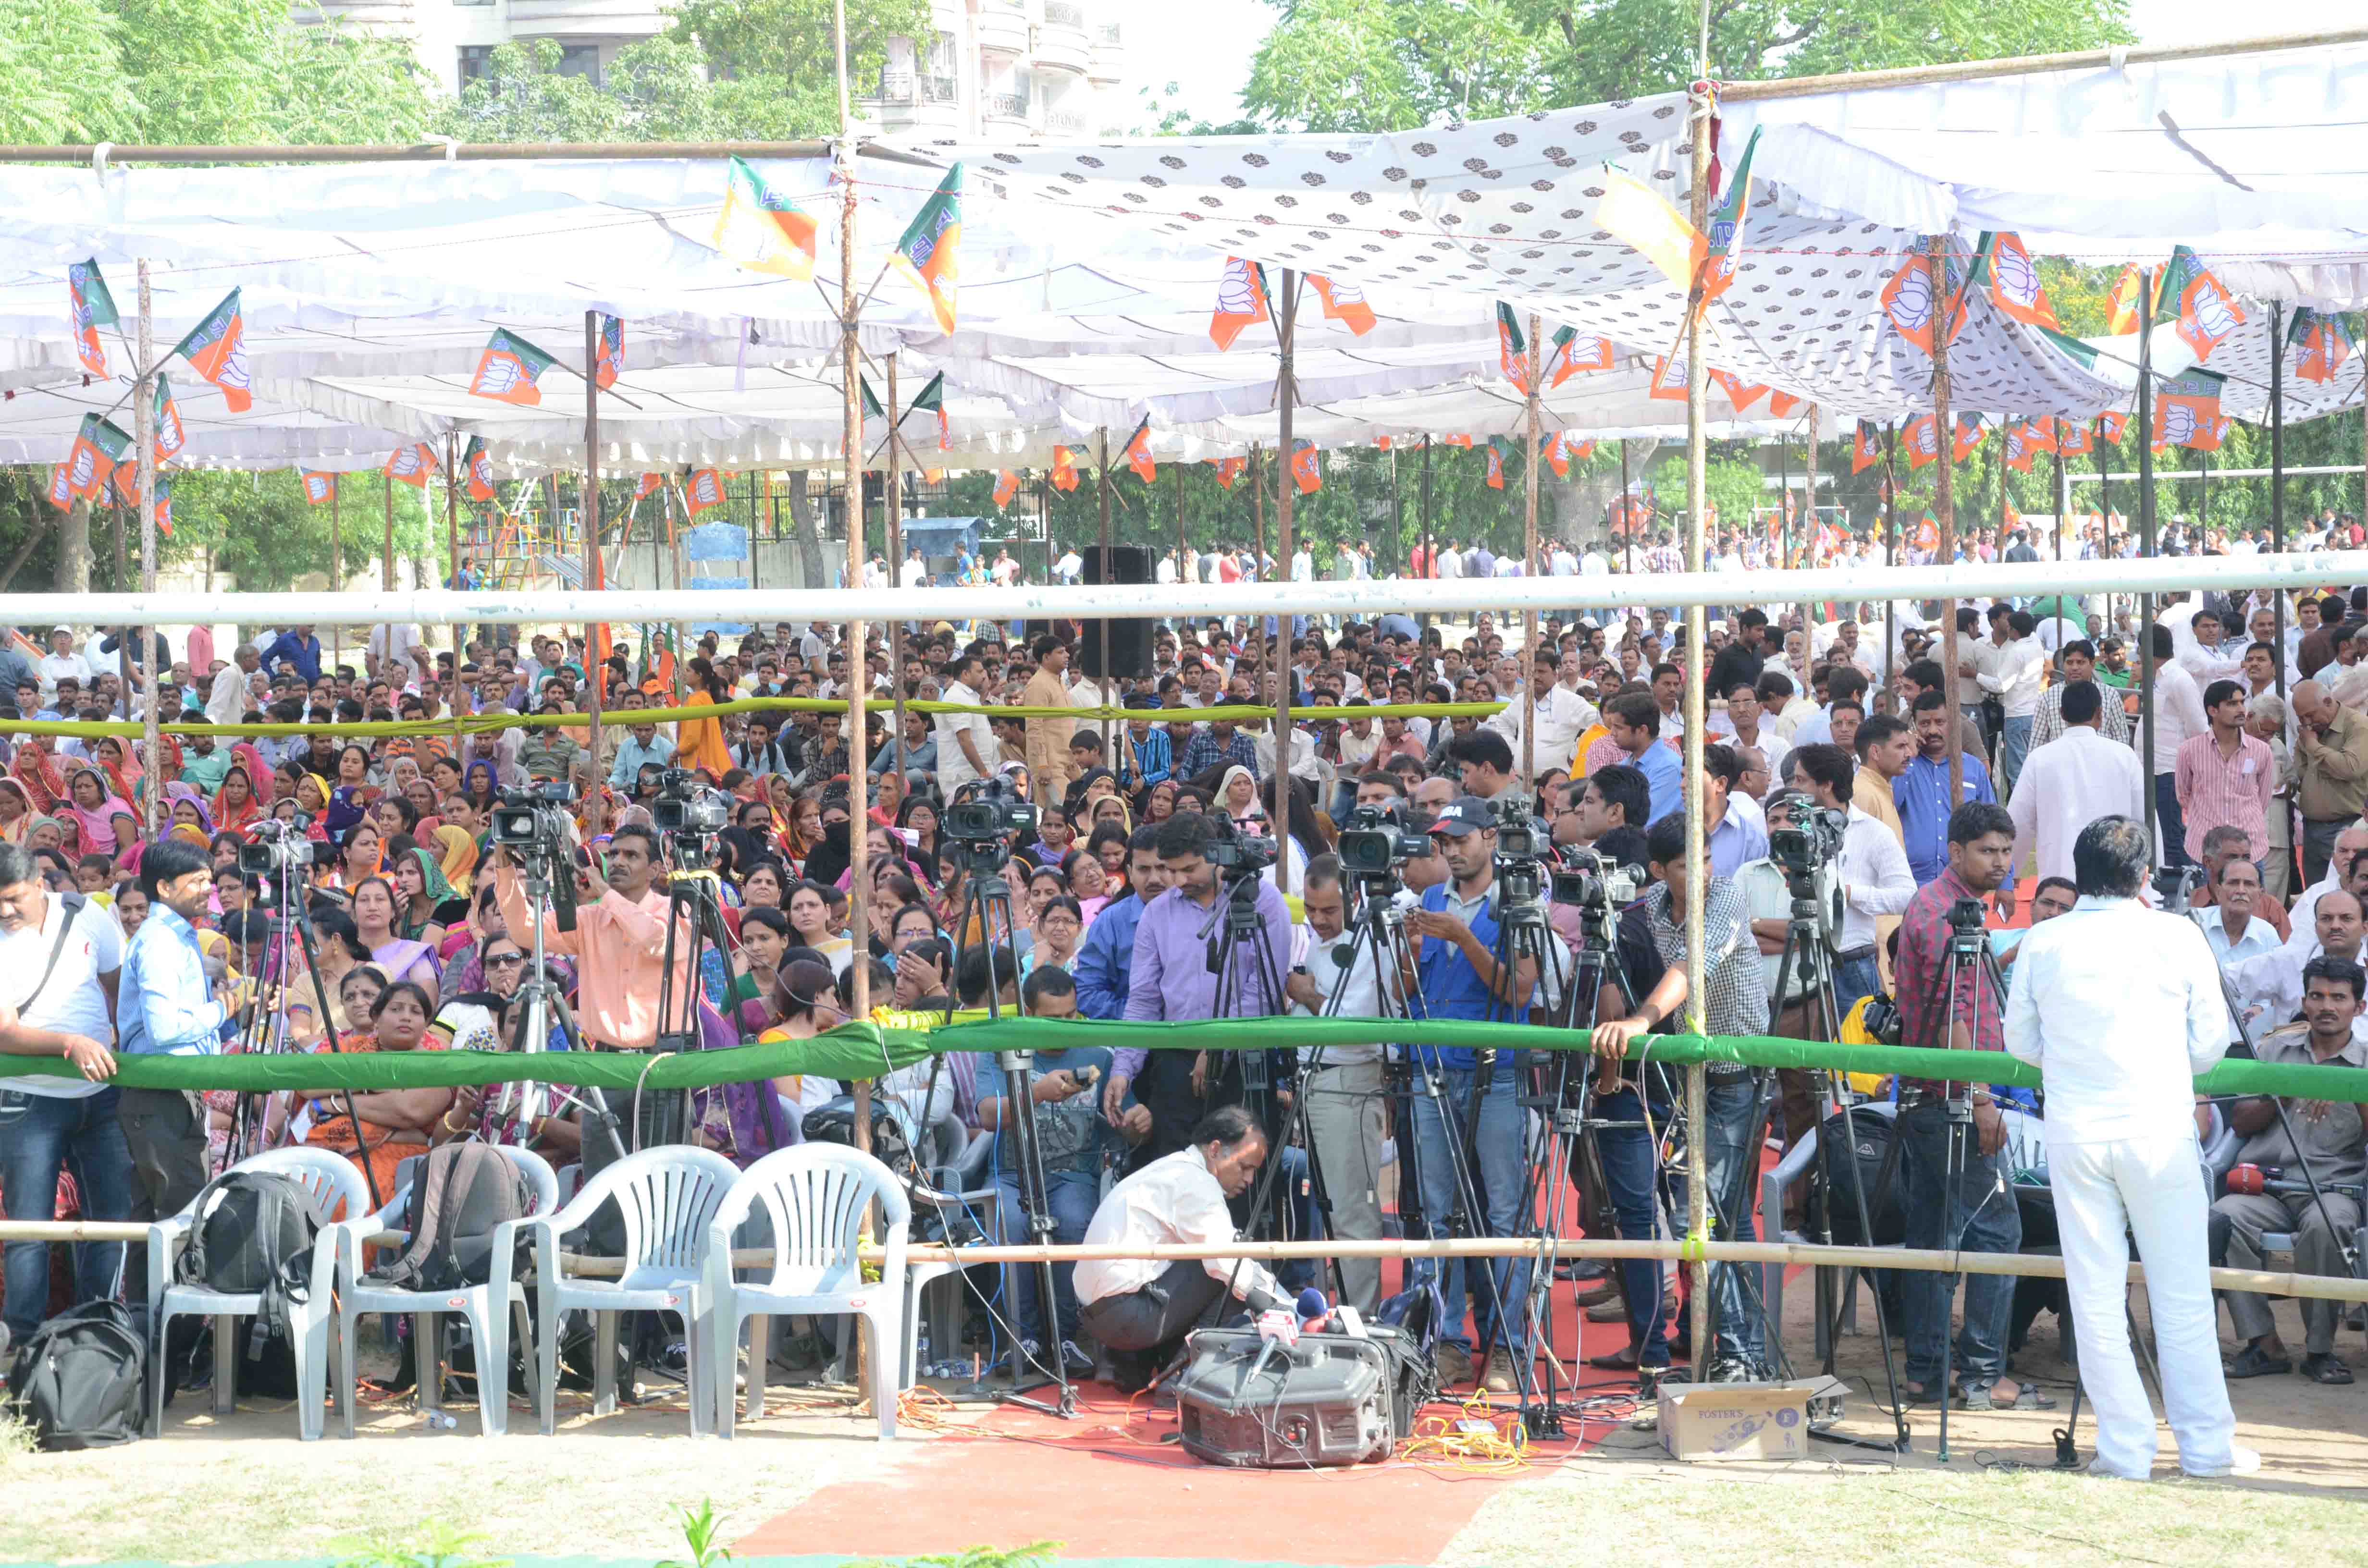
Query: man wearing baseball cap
{"points": [[1455, 926]]}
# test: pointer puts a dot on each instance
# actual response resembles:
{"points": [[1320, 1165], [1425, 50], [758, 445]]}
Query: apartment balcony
{"points": [[380, 18], [1007, 111], [909, 101], [1066, 123], [1063, 43], [1003, 27], [585, 18], [1107, 62]]}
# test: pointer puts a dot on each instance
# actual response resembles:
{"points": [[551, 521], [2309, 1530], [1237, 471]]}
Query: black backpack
{"points": [[253, 1235], [81, 1379], [832, 1121], [459, 1197]]}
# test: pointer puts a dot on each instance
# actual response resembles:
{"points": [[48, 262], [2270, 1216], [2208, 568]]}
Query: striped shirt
{"points": [[2216, 790]]}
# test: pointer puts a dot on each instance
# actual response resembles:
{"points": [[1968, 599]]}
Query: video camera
{"points": [[1586, 880], [1520, 870], [533, 820], [280, 848], [1239, 855], [1375, 841], [682, 807], [1811, 844], [2175, 885], [985, 822]]}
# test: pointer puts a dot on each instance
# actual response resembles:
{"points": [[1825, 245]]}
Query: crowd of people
{"points": [[130, 925]]}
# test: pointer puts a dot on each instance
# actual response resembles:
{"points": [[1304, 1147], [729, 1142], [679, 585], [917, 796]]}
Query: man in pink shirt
{"points": [[2224, 776]]}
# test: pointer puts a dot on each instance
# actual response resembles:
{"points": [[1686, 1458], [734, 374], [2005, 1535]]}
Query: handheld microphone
{"points": [[1312, 1309]]}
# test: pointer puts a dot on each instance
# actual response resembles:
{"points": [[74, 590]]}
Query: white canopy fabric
{"points": [[2255, 154], [2243, 359], [38, 425]]}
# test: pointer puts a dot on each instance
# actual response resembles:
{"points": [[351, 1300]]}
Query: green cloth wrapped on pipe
{"points": [[867, 1050]]}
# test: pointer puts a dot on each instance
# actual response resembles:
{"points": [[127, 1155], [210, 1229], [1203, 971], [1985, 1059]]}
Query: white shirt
{"points": [[55, 668], [2064, 785], [1172, 1199], [1360, 990], [1070, 566], [1451, 563], [228, 704], [393, 640], [1593, 564], [2178, 713], [1563, 716], [1302, 566], [72, 1002], [2013, 677], [954, 769], [2259, 937], [1166, 571], [2119, 1006], [1876, 878], [913, 574]]}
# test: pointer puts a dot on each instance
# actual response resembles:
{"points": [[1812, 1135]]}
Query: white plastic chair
{"points": [[487, 1307], [332, 1180], [814, 1196], [667, 1196]]}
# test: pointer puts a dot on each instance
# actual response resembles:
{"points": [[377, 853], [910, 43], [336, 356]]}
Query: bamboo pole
{"points": [[1891, 552], [1430, 551], [386, 559], [2277, 474], [2063, 505], [858, 772], [1530, 566], [892, 493], [1700, 108], [1945, 482], [1256, 473], [453, 551], [2030, 64], [1107, 682], [2147, 549], [84, 155], [143, 425], [1286, 396], [336, 566], [596, 671]]}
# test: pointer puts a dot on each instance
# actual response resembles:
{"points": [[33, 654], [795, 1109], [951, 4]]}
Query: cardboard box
{"points": [[1744, 1421]]}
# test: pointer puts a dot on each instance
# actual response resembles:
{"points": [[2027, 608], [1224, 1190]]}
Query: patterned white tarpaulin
{"points": [[2243, 359]]}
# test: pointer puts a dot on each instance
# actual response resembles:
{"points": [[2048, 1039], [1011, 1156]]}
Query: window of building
{"points": [[476, 59], [580, 60]]}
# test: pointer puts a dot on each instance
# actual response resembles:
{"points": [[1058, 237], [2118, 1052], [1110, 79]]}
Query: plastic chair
{"points": [[667, 1196], [487, 1307], [933, 1291], [334, 1181], [814, 1196]]}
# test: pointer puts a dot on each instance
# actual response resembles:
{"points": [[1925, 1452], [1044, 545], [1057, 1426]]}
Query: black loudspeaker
{"points": [[1129, 640]]}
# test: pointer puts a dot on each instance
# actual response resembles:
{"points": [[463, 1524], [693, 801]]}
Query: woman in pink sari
{"points": [[102, 820]]}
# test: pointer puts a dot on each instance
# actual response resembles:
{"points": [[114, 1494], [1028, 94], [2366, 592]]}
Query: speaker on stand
{"points": [[1129, 639]]}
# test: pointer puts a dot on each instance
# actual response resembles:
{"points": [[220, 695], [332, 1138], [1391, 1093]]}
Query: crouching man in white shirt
{"points": [[1147, 1307], [2119, 1007]]}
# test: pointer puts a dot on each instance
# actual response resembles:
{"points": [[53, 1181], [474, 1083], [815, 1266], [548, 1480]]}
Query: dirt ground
{"points": [[611, 1487]]}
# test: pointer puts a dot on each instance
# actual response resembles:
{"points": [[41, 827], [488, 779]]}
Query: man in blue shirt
{"points": [[298, 650], [1456, 927], [1922, 792], [166, 1006], [1105, 964], [1634, 724]]}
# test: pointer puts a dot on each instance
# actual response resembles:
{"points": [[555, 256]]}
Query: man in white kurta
{"points": [[2070, 782], [2119, 1007]]}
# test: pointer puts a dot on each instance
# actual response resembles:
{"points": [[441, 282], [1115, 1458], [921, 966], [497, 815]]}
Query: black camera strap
{"points": [[72, 903]]}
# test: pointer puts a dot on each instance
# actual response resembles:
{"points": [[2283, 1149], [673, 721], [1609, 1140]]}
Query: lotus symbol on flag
{"points": [[499, 377], [233, 368], [2017, 279], [1910, 299], [2214, 318], [2178, 422], [1925, 438], [1234, 296], [84, 471]]}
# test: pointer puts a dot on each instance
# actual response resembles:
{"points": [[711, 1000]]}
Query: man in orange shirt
{"points": [[618, 944]]}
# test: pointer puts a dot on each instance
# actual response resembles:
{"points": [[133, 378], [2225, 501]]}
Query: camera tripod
{"points": [[695, 909], [1806, 961], [281, 892], [986, 899], [537, 1003], [1563, 1139], [1968, 961]]}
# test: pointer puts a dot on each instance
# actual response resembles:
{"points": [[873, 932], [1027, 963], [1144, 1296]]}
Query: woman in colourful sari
{"points": [[40, 774], [188, 808], [459, 849], [422, 895], [376, 914], [236, 807], [378, 1129], [96, 811], [699, 743], [358, 862], [17, 812]]}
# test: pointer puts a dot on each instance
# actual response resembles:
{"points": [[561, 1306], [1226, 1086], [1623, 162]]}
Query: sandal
{"points": [[2324, 1368], [2255, 1362], [2026, 1397], [1929, 1395]]}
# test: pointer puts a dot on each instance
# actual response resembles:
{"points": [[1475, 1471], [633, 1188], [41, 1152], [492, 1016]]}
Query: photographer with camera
{"points": [[1175, 975], [1652, 951], [1969, 1015], [1875, 879], [1456, 929]]}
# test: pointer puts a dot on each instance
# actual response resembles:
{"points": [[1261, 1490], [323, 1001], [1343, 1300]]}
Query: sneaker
{"points": [[2241, 1461], [1500, 1372], [1454, 1363], [1074, 1361]]}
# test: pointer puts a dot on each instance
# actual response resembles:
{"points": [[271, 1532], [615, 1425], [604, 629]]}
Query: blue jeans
{"points": [[1736, 1329], [1627, 1155], [2014, 744], [78, 1135], [1854, 978], [1984, 1211], [1072, 1197], [1499, 1173]]}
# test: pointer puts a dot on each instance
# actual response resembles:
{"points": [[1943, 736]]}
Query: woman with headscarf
{"points": [[360, 857], [918, 817], [1238, 789], [348, 810], [311, 799], [117, 764], [95, 809], [17, 812], [484, 787], [40, 775], [425, 904], [377, 1129], [459, 852], [188, 809], [237, 805]]}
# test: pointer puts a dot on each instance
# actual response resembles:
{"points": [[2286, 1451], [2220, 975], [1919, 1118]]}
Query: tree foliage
{"points": [[1344, 65]]}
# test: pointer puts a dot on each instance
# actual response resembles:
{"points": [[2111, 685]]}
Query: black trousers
{"points": [[1160, 1314]]}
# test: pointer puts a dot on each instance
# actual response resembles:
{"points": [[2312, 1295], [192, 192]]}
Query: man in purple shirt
{"points": [[1173, 979]]}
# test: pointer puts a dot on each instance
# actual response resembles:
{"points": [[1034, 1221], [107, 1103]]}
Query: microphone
{"points": [[1312, 1309]]}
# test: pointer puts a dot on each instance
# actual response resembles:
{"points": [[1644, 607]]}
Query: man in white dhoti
{"points": [[2119, 1007]]}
